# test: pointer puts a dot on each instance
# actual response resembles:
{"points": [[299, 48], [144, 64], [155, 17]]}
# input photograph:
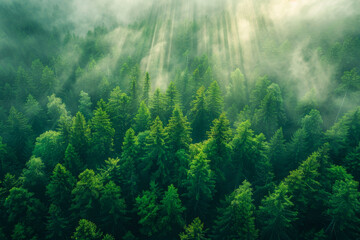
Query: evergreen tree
{"points": [[171, 211], [49, 147], [72, 160], [146, 89], [344, 209], [199, 115], [270, 114], [48, 81], [236, 219], [217, 148], [276, 215], [200, 185], [148, 208], [276, 153], [156, 159], [194, 231], [60, 187], [172, 98], [34, 176], [55, 109], [87, 231], [113, 209], [80, 136], [157, 108], [352, 162], [85, 105], [312, 125], [102, 134], [119, 109], [142, 119], [86, 195], [214, 101], [57, 224], [129, 163], [296, 149]]}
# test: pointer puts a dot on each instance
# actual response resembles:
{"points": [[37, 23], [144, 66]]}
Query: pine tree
{"points": [[60, 187], [87, 231], [352, 162], [199, 116], [48, 81], [113, 209], [217, 148], [194, 231], [236, 219], [156, 159], [49, 147], [200, 185], [129, 163], [80, 136], [312, 125], [146, 89], [157, 108], [34, 176], [172, 212], [148, 208], [57, 224], [172, 98], [86, 195], [119, 109], [142, 119], [276, 215], [85, 105], [296, 149], [214, 101], [102, 137], [276, 153], [270, 114], [72, 161], [344, 209]]}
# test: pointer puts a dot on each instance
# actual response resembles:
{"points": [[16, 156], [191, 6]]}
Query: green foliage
{"points": [[236, 219], [102, 137], [156, 158], [344, 209], [194, 231], [113, 208], [146, 89], [85, 105], [60, 187], [171, 211], [86, 194], [87, 231], [33, 176], [142, 119], [172, 98], [214, 101], [148, 208], [57, 224], [49, 147], [199, 115], [157, 107], [277, 215], [200, 185]]}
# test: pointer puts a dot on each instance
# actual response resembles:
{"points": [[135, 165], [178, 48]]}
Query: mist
{"points": [[278, 38]]}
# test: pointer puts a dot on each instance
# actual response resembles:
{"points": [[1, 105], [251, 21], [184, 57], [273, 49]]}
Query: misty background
{"points": [[299, 44]]}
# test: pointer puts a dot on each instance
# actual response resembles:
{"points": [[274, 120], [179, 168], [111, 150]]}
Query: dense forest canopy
{"points": [[169, 119]]}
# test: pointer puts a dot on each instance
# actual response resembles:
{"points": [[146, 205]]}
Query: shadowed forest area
{"points": [[188, 120]]}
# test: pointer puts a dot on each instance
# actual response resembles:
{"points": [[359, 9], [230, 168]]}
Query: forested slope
{"points": [[185, 121]]}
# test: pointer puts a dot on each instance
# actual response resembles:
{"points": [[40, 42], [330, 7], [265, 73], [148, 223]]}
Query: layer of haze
{"points": [[274, 37]]}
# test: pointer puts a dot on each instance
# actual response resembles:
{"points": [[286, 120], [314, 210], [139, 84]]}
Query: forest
{"points": [[190, 120]]}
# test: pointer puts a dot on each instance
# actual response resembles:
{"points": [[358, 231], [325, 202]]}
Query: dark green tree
{"points": [[194, 231], [236, 218], [199, 115], [146, 89], [80, 136], [60, 187], [87, 231], [142, 119], [214, 101], [85, 105], [200, 185], [157, 106]]}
